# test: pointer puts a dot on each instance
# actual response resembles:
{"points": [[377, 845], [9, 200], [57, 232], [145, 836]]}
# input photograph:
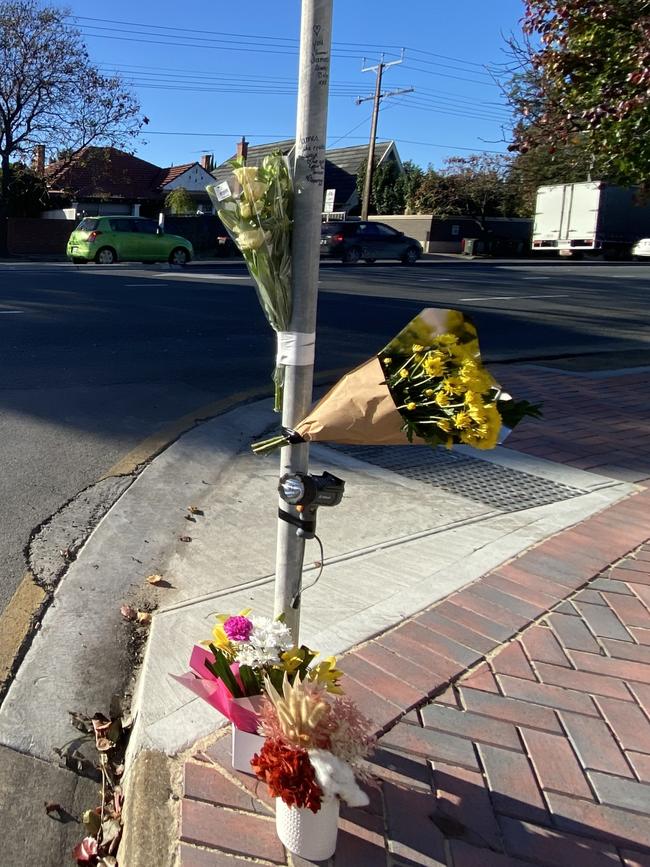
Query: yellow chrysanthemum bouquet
{"points": [[428, 385], [256, 207]]}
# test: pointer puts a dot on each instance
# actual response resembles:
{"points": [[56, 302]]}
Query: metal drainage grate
{"points": [[500, 487]]}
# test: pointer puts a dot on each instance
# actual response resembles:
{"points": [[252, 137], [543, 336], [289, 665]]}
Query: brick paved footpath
{"points": [[591, 421], [535, 749]]}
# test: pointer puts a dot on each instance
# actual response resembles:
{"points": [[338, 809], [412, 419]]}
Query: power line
{"points": [[172, 74], [226, 39], [446, 75], [284, 136], [358, 46], [224, 83]]}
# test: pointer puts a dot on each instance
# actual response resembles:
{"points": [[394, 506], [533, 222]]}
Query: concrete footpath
{"points": [[432, 562]]}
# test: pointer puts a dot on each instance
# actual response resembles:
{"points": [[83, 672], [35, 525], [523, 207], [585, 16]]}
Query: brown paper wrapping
{"points": [[358, 410]]}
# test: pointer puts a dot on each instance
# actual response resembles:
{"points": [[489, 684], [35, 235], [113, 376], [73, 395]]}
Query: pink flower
{"points": [[238, 628]]}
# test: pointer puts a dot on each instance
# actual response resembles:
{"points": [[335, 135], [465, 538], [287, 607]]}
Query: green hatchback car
{"points": [[118, 239]]}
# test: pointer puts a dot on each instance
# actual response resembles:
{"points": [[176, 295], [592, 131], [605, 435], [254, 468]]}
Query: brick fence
{"points": [[30, 235]]}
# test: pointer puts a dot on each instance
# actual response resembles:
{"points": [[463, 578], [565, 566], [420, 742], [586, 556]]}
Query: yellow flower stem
{"points": [[428, 378], [446, 406], [419, 364], [403, 367]]}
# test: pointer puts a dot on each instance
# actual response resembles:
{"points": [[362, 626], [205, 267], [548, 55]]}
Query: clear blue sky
{"points": [[223, 69]]}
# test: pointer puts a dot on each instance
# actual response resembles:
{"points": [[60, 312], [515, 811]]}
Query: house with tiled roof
{"points": [[341, 167], [105, 180]]}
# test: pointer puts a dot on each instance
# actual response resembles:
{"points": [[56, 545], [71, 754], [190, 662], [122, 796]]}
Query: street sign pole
{"points": [[309, 175]]}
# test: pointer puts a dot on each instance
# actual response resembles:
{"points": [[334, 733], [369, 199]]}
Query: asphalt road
{"points": [[94, 359]]}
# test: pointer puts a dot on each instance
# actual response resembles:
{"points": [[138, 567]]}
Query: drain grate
{"points": [[500, 487]]}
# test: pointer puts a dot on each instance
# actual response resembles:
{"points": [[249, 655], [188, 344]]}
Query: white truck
{"points": [[590, 217]]}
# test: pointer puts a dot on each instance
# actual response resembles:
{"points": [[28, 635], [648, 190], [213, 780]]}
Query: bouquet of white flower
{"points": [[255, 206]]}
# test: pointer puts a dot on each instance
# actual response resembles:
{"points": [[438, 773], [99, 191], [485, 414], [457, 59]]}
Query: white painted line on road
{"points": [[207, 277], [513, 297], [535, 278], [12, 311]]}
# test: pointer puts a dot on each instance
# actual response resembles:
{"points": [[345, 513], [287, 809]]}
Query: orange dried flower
{"points": [[289, 774]]}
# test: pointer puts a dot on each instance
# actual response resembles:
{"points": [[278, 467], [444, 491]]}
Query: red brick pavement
{"points": [[535, 749], [606, 431]]}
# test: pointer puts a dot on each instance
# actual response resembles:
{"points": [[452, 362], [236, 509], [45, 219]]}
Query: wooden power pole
{"points": [[377, 98]]}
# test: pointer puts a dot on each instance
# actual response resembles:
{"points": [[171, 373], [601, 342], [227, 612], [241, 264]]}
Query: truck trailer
{"points": [[591, 217]]}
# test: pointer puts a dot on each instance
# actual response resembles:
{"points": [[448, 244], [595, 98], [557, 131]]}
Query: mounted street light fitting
{"points": [[307, 492], [306, 489]]}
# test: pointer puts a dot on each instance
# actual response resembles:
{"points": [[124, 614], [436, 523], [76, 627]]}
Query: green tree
{"points": [[51, 93], [582, 82], [474, 186], [407, 184], [29, 194], [179, 201], [392, 188], [424, 195]]}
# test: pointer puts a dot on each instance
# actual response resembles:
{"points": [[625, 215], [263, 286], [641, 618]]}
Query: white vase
{"points": [[310, 835], [246, 744]]}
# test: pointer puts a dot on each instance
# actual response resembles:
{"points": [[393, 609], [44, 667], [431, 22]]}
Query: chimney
{"points": [[242, 148], [207, 162], [39, 159]]}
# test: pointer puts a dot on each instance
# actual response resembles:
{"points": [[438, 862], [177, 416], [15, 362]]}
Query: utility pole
{"points": [[377, 98], [298, 356]]}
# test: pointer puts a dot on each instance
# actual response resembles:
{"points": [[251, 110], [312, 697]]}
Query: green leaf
{"points": [[249, 680], [276, 676], [309, 658], [221, 669]]}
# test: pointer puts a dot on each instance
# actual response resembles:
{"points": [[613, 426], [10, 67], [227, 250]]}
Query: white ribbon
{"points": [[296, 348]]}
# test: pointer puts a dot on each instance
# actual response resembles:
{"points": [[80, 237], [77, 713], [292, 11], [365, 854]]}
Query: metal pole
{"points": [[371, 148], [311, 128]]}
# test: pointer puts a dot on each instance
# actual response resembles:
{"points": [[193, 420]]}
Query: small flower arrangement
{"points": [[261, 648], [314, 745], [246, 651]]}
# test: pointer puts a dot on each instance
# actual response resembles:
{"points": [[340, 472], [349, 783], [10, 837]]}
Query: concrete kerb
{"points": [[83, 636]]}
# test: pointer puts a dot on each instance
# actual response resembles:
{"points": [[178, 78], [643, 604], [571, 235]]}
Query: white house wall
{"points": [[195, 180]]}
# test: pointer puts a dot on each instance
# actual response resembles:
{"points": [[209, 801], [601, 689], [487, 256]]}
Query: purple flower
{"points": [[238, 628]]}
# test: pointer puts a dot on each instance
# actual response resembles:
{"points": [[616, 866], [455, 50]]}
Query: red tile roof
{"points": [[108, 172], [169, 174]]}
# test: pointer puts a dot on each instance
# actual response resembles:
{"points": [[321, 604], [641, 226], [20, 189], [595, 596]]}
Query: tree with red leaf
{"points": [[582, 84]]}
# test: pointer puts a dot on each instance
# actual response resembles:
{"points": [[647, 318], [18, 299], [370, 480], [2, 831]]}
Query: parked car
{"points": [[641, 249], [118, 239], [352, 240]]}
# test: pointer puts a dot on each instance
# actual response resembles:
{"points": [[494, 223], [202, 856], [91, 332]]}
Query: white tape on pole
{"points": [[296, 348]]}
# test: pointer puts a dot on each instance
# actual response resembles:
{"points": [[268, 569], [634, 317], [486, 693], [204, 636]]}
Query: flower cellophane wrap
{"points": [[256, 206], [428, 385], [242, 712]]}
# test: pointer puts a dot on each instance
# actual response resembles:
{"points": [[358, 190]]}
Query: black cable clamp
{"points": [[292, 436], [301, 523]]}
